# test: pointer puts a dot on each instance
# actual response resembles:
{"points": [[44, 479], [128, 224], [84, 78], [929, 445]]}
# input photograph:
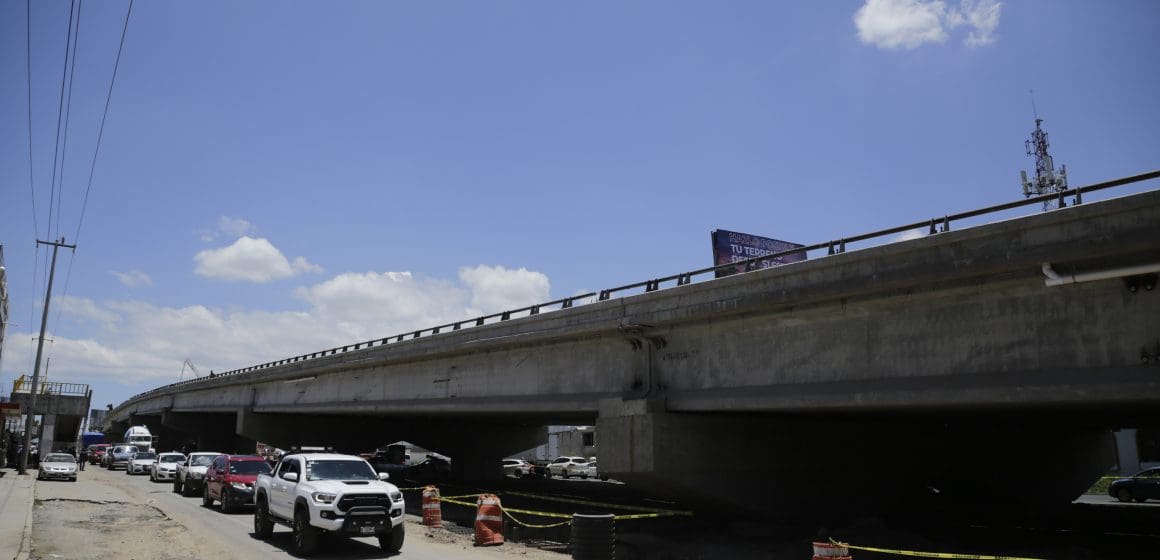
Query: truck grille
{"points": [[361, 500]]}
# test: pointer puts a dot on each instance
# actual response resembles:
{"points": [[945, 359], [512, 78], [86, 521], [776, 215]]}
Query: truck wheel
{"points": [[263, 527], [186, 490], [176, 484], [205, 499], [394, 541], [227, 503], [305, 537]]}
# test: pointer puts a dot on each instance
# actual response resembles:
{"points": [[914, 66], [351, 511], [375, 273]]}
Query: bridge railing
{"points": [[933, 226], [21, 385]]}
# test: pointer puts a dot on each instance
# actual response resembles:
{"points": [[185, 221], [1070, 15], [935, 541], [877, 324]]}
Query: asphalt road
{"points": [[107, 514]]}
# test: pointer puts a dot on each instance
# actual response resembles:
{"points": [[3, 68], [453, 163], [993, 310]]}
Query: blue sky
{"points": [[281, 177]]}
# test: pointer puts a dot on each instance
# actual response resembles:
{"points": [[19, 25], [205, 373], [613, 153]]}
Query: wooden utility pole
{"points": [[23, 466]]}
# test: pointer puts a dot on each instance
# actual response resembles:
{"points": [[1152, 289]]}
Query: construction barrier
{"points": [[488, 521], [831, 551], [593, 537], [432, 514]]}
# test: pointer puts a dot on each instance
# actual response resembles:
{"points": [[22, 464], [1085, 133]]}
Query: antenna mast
{"points": [[1046, 180]]}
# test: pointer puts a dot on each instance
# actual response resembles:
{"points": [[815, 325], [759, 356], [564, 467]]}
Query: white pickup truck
{"points": [[313, 493]]}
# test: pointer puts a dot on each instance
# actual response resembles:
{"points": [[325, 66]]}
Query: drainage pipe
{"points": [[1056, 279]]}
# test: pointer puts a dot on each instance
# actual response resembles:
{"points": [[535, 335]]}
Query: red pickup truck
{"points": [[230, 480]]}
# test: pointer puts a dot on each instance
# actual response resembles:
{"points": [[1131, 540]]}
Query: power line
{"points": [[59, 114], [28, 73], [68, 113], [101, 130]]}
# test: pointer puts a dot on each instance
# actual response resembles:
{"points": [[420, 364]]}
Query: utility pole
{"points": [[56, 245]]}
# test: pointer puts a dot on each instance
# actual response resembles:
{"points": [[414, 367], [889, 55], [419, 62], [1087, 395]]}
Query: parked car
{"points": [[165, 467], [592, 471], [230, 480], [518, 468], [96, 452], [1144, 486], [58, 465], [191, 474], [140, 463], [119, 456], [568, 467]]}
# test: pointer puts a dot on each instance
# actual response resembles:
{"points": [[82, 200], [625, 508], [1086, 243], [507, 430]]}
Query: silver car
{"points": [[58, 465]]}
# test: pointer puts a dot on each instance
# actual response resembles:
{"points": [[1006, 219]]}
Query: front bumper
{"points": [[194, 483], [239, 497], [133, 468], [63, 475], [356, 523], [165, 475]]}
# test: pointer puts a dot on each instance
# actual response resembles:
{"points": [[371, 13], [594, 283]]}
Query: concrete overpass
{"points": [[978, 365]]}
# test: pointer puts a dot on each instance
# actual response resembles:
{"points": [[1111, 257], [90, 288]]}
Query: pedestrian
{"points": [[83, 458]]}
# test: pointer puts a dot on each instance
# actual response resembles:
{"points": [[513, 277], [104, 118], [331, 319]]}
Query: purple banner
{"points": [[730, 247]]}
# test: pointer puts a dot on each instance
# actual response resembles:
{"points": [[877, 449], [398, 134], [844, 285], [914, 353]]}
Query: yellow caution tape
{"points": [[932, 554], [654, 515], [596, 504]]}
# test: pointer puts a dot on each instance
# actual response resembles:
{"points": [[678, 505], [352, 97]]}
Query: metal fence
{"points": [[22, 385], [934, 226]]}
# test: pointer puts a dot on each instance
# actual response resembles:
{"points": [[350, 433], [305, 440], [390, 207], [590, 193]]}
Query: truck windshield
{"points": [[172, 458], [339, 470], [202, 460]]}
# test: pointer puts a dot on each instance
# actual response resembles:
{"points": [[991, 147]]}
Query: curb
{"points": [[25, 549]]}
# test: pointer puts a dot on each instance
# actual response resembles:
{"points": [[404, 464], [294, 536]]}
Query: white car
{"points": [[58, 465], [190, 477], [568, 467], [140, 462], [518, 468], [165, 467]]}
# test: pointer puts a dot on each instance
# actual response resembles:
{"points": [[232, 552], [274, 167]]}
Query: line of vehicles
{"points": [[313, 492], [563, 467]]}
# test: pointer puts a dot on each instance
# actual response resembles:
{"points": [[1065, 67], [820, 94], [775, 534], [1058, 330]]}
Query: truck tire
{"points": [[304, 541], [186, 490], [176, 484], [263, 527], [394, 541]]}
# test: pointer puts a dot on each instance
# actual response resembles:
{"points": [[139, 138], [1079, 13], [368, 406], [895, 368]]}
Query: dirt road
{"points": [[107, 514]]}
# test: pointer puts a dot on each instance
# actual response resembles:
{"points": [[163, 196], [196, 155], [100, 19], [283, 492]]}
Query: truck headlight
{"points": [[196, 475], [322, 497], [396, 496]]}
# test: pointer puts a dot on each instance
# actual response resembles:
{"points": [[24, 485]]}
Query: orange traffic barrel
{"points": [[432, 514], [831, 551], [488, 520]]}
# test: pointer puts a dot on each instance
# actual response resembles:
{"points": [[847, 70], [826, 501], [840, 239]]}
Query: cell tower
{"points": [[1046, 180]]}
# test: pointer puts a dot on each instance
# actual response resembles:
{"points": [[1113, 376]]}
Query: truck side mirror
{"points": [[290, 477], [384, 476]]}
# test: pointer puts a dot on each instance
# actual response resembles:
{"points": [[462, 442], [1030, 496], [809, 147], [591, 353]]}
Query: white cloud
{"points": [[141, 344], [497, 288], [82, 308], [133, 278], [231, 227], [250, 260], [983, 17], [892, 24], [235, 227]]}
